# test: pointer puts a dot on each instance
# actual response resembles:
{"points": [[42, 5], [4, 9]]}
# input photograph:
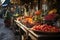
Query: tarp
{"points": [[6, 3]]}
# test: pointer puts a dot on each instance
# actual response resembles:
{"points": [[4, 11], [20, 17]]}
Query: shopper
{"points": [[7, 17]]}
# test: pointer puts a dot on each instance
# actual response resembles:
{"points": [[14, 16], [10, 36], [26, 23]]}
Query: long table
{"points": [[35, 36]]}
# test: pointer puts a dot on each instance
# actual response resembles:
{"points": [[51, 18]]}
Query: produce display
{"points": [[27, 20], [37, 26], [45, 28], [52, 14]]}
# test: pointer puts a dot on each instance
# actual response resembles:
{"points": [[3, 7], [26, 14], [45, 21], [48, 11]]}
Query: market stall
{"points": [[37, 35], [36, 28], [39, 24]]}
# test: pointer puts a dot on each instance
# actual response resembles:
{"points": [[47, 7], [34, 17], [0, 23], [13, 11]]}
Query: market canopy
{"points": [[5, 2]]}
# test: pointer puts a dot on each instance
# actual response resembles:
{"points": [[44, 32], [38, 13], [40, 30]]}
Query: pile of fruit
{"points": [[45, 28]]}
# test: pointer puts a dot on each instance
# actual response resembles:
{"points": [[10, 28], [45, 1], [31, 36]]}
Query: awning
{"points": [[6, 2], [2, 1]]}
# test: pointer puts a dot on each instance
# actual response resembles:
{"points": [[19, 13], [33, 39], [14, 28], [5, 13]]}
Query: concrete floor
{"points": [[5, 33]]}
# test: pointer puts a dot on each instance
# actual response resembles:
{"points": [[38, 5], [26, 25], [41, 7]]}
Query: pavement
{"points": [[5, 33]]}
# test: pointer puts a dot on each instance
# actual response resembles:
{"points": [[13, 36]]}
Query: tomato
{"points": [[46, 28]]}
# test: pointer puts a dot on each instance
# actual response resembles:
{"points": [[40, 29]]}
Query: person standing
{"points": [[7, 17]]}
